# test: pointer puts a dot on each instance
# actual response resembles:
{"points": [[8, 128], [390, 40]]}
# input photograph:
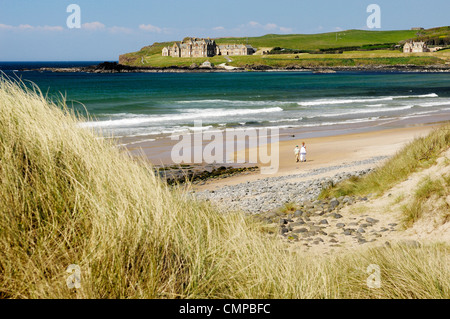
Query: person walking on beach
{"points": [[303, 153], [297, 153]]}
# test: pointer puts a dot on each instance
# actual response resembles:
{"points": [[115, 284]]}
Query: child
{"points": [[297, 153], [303, 153]]}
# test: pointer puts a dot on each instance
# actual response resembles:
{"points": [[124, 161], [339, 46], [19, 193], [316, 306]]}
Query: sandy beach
{"points": [[330, 159], [316, 226], [333, 151]]}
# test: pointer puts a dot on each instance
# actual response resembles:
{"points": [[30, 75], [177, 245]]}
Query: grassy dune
{"points": [[428, 197], [69, 197], [428, 190], [419, 154]]}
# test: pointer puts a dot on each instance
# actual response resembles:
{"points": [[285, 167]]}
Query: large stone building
{"points": [[199, 48], [192, 47], [415, 47], [235, 49]]}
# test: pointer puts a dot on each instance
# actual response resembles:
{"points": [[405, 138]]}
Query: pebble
{"points": [[362, 241], [298, 213], [372, 220]]}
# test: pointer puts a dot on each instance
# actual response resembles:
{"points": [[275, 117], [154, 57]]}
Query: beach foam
{"points": [[363, 100], [132, 119]]}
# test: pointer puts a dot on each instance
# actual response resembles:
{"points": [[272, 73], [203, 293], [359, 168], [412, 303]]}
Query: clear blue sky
{"points": [[32, 30]]}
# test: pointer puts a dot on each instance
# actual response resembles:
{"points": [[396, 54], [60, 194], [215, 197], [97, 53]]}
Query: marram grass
{"points": [[68, 197], [420, 153]]}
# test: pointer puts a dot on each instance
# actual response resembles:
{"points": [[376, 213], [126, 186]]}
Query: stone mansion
{"points": [[199, 48], [414, 47]]}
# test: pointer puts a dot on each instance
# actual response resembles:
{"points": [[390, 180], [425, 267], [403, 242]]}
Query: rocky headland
{"points": [[114, 67]]}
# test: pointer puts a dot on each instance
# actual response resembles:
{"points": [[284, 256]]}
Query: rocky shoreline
{"points": [[272, 193], [114, 67], [291, 209], [328, 224], [199, 174]]}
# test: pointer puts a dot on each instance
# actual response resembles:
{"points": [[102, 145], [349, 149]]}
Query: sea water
{"points": [[146, 104]]}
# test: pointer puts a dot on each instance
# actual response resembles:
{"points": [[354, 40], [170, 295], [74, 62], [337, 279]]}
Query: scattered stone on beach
{"points": [[299, 217], [362, 241], [333, 203], [348, 232], [337, 216], [372, 220], [298, 213], [273, 192]]}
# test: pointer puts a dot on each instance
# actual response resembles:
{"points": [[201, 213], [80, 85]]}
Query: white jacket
{"points": [[303, 150]]}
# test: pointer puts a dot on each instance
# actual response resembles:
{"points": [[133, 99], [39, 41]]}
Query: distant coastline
{"points": [[114, 67]]}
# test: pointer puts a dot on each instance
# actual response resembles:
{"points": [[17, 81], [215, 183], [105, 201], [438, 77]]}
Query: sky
{"points": [[32, 30]]}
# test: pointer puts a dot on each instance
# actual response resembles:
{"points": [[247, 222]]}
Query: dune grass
{"points": [[418, 154], [428, 189], [70, 197]]}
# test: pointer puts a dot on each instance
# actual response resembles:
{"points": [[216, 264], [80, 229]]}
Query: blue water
{"points": [[137, 104]]}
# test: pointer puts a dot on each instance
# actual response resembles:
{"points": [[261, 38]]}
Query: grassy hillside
{"points": [[151, 55], [324, 40]]}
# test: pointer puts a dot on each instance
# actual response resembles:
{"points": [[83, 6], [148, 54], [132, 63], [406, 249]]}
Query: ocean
{"points": [[147, 104]]}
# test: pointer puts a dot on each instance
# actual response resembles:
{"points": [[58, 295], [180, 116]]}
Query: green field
{"points": [[323, 40], [151, 55]]}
